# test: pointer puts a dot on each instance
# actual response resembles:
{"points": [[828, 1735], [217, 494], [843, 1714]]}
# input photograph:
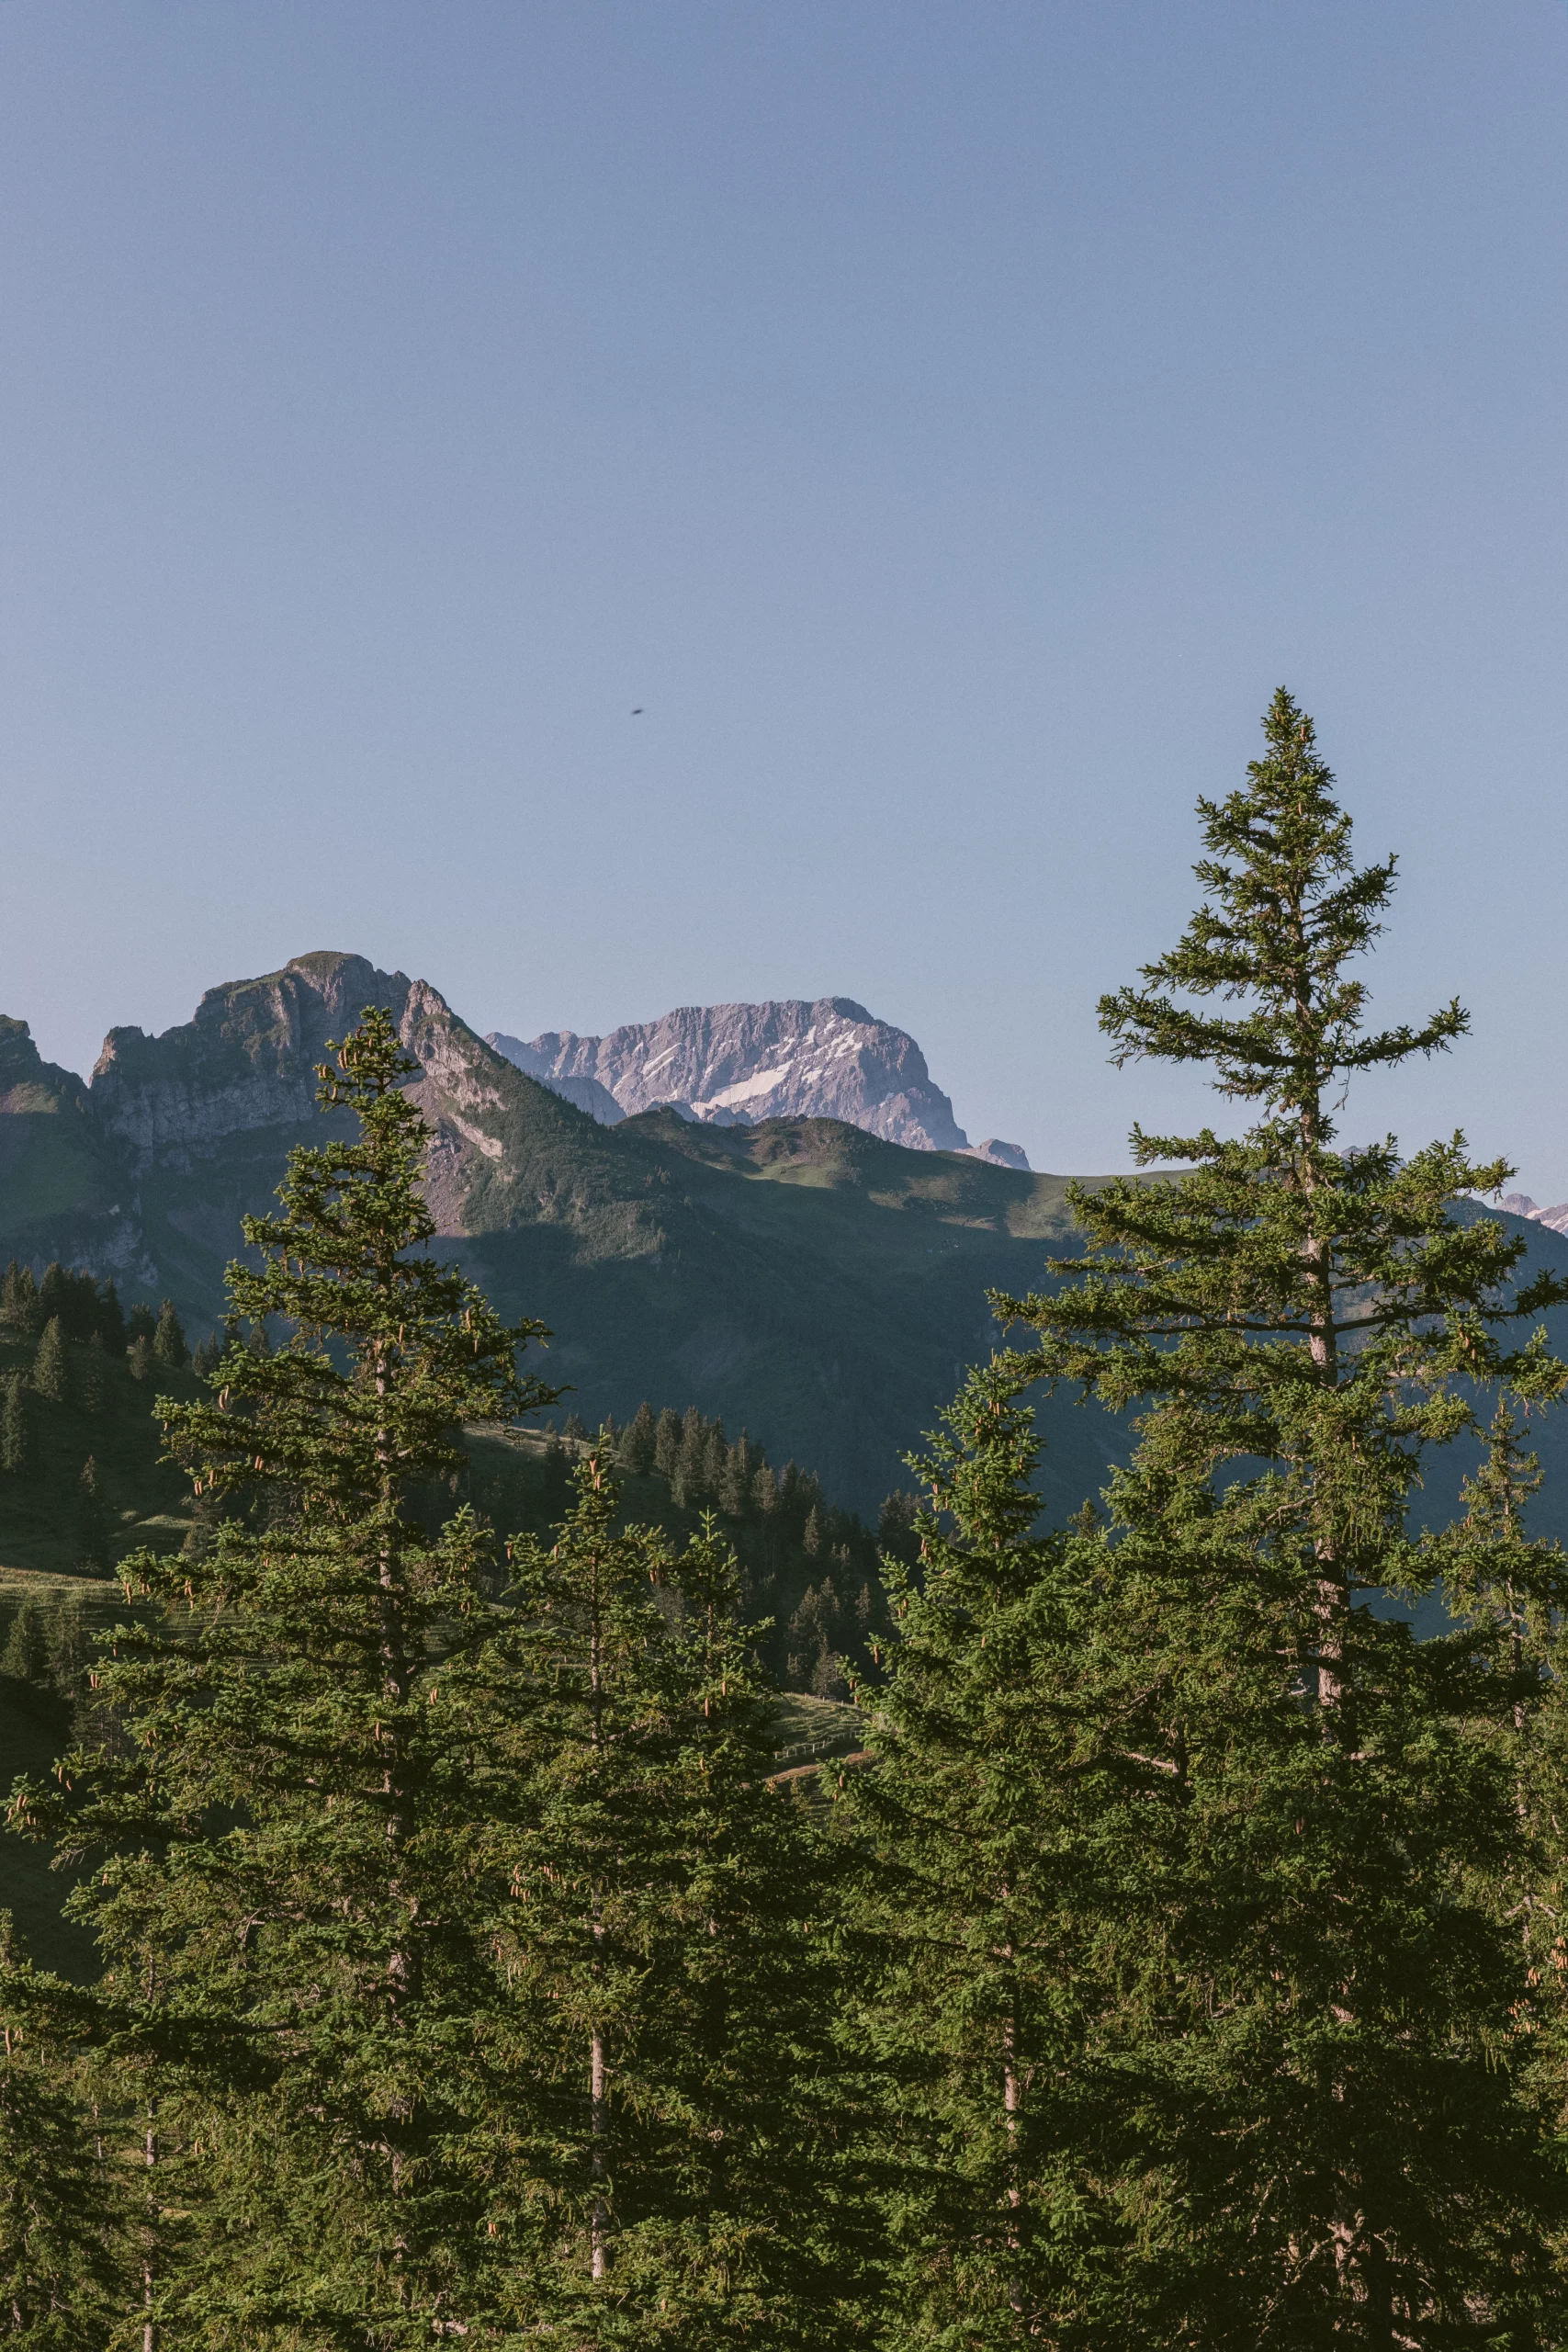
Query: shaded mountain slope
{"points": [[801, 1277]]}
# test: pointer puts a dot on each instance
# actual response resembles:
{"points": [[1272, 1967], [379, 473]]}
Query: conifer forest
{"points": [[489, 1880]]}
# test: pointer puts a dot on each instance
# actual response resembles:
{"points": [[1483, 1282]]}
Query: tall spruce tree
{"points": [[93, 1553], [1318, 2012], [1011, 2211], [169, 1340], [52, 1364], [111, 1323], [638, 1442], [295, 1953], [54, 1294], [18, 1297], [27, 1653], [668, 1936], [18, 1430]]}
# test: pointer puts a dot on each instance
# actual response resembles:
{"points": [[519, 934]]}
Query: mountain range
{"points": [[736, 1065], [801, 1276]]}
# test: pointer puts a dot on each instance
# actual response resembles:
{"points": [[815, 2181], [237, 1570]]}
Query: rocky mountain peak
{"points": [[27, 1081], [1000, 1154], [1521, 1205], [733, 1065], [246, 1060]]}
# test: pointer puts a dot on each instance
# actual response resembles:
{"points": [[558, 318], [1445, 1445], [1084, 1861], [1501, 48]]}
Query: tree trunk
{"points": [[149, 2332], [598, 2126]]}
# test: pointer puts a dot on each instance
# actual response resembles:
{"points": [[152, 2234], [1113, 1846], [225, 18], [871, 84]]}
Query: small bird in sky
{"points": [[638, 712]]}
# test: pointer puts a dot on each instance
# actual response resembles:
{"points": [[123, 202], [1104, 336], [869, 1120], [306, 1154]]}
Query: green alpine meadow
{"points": [[636, 1733]]}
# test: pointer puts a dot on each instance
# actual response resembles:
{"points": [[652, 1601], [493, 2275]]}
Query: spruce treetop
{"points": [[346, 1257], [1289, 1300], [1287, 911]]}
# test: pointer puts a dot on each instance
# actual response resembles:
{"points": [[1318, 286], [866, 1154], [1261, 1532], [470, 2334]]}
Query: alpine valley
{"points": [[818, 1279]]}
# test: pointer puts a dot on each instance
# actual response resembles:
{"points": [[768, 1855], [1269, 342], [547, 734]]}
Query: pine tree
{"points": [[18, 1299], [895, 1525], [26, 1656], [19, 1430], [62, 2203], [1510, 1588], [92, 1379], [94, 1557], [733, 1486], [169, 1338], [1320, 2002], [51, 1364], [638, 1443], [54, 1295], [765, 1492], [716, 1459], [143, 1364], [111, 1324], [297, 1958], [1008, 2213], [667, 1959], [688, 1480], [667, 1443]]}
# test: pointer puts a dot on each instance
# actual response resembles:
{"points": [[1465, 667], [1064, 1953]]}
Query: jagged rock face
{"points": [[1521, 1205], [246, 1061], [738, 1064], [1000, 1154], [27, 1081]]}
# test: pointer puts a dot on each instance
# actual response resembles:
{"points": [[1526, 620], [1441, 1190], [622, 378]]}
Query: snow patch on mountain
{"points": [[739, 1064]]}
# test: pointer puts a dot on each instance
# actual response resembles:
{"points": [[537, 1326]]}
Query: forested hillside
{"points": [[522, 1881]]}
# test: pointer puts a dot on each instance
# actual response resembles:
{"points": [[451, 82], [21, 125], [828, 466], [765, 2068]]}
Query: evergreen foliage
{"points": [[18, 1299], [1183, 1965], [169, 1338], [666, 1954], [54, 1294], [1320, 2002], [110, 1323], [639, 1443], [64, 2233], [92, 1382], [51, 1366], [19, 1430], [92, 1551], [265, 1832], [814, 1613], [26, 1657], [1007, 2219]]}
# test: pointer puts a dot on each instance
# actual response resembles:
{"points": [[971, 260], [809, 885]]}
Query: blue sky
{"points": [[948, 424]]}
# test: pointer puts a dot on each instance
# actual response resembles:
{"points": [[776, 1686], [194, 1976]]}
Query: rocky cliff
{"points": [[736, 1065], [1521, 1205]]}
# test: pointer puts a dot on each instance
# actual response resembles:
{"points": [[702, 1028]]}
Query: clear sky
{"points": [[948, 424]]}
